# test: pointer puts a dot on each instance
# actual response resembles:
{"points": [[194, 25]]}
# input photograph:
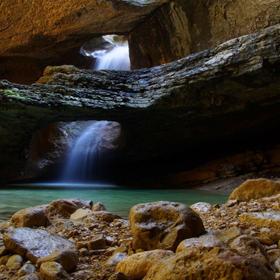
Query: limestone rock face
{"points": [[31, 217], [182, 27], [136, 266], [66, 207], [214, 264], [163, 225], [34, 244], [53, 25], [206, 92], [254, 189]]}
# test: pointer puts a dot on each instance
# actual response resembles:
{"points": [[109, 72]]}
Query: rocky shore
{"points": [[74, 239]]}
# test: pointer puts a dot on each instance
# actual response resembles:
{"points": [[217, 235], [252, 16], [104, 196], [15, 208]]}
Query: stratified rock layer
{"points": [[166, 112]]}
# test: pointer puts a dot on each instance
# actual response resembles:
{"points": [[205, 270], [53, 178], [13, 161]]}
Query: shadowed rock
{"points": [[163, 225], [220, 96]]}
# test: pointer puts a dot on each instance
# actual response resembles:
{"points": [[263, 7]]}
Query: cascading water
{"points": [[84, 152]]}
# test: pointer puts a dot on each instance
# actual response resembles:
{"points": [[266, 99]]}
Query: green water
{"points": [[116, 199]]}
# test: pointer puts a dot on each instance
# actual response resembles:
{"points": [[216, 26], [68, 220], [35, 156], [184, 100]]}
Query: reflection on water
{"points": [[117, 199]]}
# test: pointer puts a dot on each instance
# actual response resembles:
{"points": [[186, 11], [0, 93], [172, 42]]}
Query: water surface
{"points": [[116, 199]]}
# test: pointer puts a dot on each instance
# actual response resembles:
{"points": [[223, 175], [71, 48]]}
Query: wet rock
{"points": [[136, 266], [201, 207], [105, 216], [98, 206], [31, 217], [254, 189], [208, 240], [269, 219], [35, 243], [80, 214], [66, 207], [14, 262], [52, 271], [214, 264], [26, 269], [163, 225]]}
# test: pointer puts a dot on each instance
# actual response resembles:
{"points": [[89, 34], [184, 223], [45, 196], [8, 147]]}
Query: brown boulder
{"points": [[163, 225], [254, 189], [213, 264], [136, 266], [31, 217], [66, 207]]}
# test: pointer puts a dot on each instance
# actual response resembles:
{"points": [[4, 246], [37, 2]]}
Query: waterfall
{"points": [[85, 151], [114, 57]]}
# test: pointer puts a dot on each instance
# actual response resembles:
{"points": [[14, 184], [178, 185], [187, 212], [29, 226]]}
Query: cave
{"points": [[139, 138]]}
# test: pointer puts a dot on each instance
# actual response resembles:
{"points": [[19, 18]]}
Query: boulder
{"points": [[214, 264], [35, 244], [208, 240], [254, 189], [52, 271], [163, 225], [268, 219], [66, 207], [136, 266], [31, 217]]}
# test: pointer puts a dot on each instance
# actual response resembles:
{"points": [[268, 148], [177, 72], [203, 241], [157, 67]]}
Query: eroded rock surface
{"points": [[163, 225]]}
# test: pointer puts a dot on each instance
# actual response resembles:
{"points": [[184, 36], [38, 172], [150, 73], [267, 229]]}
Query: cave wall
{"points": [[182, 27]]}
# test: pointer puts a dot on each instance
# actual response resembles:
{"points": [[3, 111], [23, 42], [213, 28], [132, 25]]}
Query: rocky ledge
{"points": [[74, 239], [219, 97]]}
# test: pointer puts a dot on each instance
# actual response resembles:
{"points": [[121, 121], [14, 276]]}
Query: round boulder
{"points": [[163, 225]]}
